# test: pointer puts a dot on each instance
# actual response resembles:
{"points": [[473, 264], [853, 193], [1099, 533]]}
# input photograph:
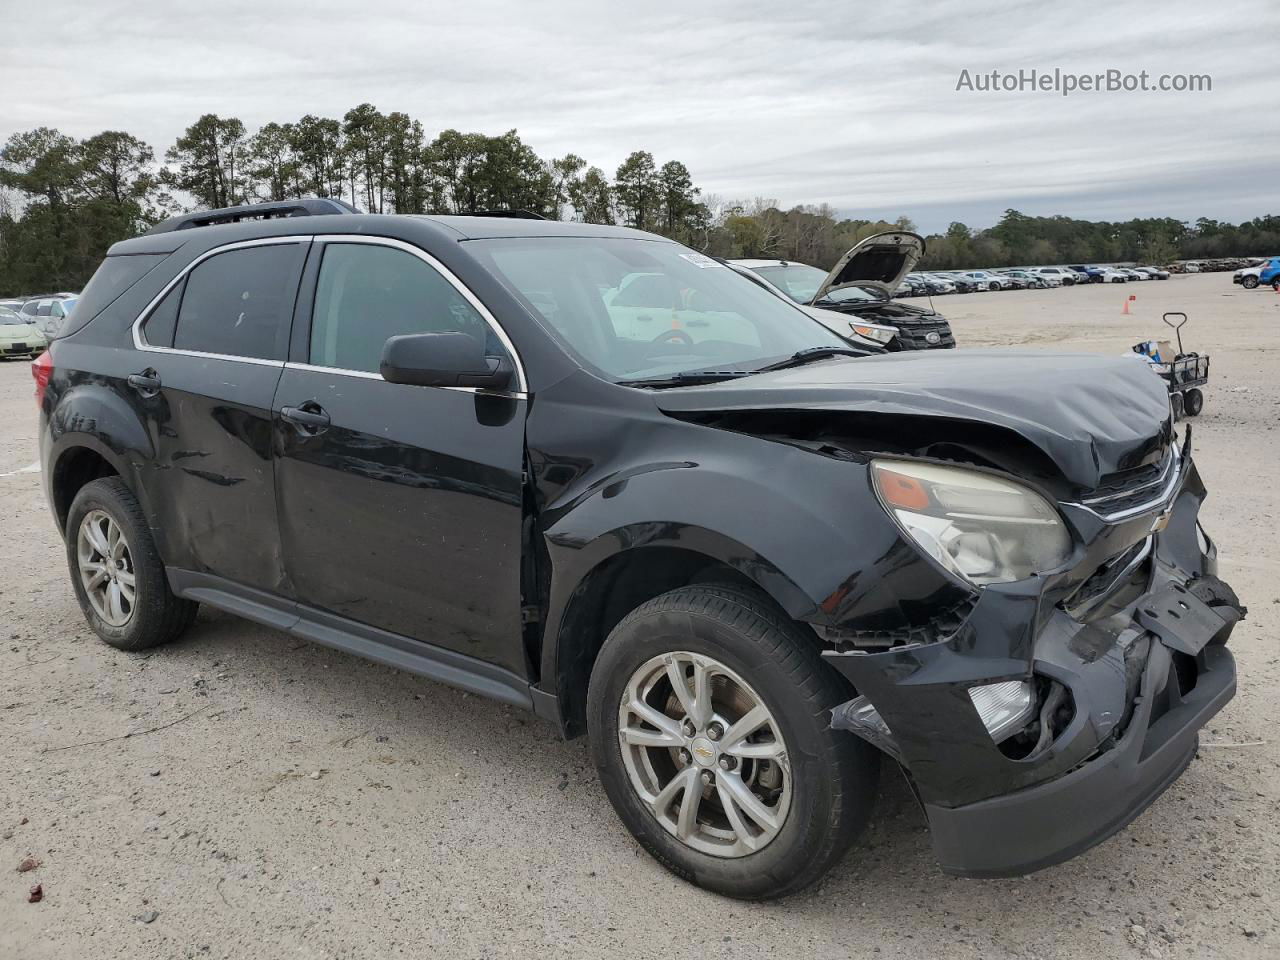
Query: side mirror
{"points": [[442, 360]]}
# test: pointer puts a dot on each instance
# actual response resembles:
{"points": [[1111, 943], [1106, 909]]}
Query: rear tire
{"points": [[116, 571], [1178, 404], [827, 779]]}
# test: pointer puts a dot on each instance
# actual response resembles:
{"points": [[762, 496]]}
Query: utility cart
{"points": [[1185, 373]]}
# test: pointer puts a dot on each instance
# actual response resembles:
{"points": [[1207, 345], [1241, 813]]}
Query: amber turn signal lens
{"points": [[902, 491]]}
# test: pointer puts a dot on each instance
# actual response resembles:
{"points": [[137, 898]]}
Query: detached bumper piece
{"points": [[1122, 703]]}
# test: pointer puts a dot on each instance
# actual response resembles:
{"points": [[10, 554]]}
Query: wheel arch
{"points": [[92, 432], [77, 462], [582, 614]]}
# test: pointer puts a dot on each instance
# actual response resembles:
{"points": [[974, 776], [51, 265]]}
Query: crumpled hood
{"points": [[1092, 415]]}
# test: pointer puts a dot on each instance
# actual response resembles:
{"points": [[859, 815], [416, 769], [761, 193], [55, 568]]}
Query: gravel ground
{"points": [[244, 794]]}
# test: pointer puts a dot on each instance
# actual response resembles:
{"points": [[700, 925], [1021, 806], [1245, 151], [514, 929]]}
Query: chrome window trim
{"points": [[140, 344], [521, 381], [366, 375]]}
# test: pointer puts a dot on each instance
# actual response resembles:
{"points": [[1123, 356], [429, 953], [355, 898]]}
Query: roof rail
{"points": [[304, 207], [510, 214]]}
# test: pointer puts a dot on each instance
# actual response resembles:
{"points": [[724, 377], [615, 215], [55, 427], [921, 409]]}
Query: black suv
{"points": [[747, 561]]}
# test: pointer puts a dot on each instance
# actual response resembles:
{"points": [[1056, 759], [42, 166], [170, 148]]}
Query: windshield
{"points": [[640, 309], [801, 283], [8, 317]]}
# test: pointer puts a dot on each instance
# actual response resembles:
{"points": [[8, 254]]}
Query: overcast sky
{"points": [[806, 102]]}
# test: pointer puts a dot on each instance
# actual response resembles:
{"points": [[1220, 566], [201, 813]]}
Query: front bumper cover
{"points": [[1140, 682], [1036, 827]]}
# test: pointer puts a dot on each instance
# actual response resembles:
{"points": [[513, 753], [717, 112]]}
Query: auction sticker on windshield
{"points": [[701, 260]]}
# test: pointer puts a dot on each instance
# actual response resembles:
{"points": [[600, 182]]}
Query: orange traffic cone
{"points": [[1125, 311]]}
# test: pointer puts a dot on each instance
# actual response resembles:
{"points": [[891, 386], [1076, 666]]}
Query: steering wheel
{"points": [[674, 336]]}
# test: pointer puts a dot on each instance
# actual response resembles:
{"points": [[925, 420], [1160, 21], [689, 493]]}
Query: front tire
{"points": [[1249, 282], [709, 715], [116, 571]]}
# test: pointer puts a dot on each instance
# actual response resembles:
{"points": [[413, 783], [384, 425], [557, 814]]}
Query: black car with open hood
{"points": [[589, 472]]}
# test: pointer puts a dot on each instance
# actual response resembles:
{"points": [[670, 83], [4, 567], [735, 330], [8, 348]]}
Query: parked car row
{"points": [[1217, 265], [45, 311], [935, 283]]}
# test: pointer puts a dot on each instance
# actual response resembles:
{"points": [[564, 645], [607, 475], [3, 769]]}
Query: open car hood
{"points": [[1090, 415], [879, 261]]}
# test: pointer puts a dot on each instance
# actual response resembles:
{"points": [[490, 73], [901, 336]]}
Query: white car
{"points": [[19, 337], [988, 281], [860, 332], [1034, 278], [1112, 275], [48, 313], [1248, 277], [861, 286], [1065, 277]]}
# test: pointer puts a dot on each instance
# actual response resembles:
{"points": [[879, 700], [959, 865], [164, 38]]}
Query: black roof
{"points": [[482, 228]]}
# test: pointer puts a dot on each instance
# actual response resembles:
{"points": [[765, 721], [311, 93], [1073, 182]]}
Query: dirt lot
{"points": [[244, 794]]}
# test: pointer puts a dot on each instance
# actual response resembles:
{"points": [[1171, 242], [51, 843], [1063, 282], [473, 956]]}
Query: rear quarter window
{"points": [[160, 325]]}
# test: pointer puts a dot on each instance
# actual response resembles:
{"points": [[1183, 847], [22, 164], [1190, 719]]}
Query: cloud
{"points": [[807, 102]]}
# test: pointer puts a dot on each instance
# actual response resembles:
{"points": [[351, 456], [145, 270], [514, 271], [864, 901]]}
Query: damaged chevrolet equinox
{"points": [[747, 560]]}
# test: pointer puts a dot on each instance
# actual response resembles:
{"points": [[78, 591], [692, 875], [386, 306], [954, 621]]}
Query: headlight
{"points": [[982, 528], [876, 333]]}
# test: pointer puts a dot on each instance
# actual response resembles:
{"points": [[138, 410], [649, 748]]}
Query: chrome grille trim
{"points": [[1169, 464], [1168, 483]]}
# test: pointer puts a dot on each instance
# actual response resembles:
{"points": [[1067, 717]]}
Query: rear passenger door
{"points": [[400, 506], [210, 353]]}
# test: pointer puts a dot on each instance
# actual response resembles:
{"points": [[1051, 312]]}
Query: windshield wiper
{"points": [[801, 357], [688, 378]]}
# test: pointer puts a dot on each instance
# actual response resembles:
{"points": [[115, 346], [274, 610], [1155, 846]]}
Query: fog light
{"points": [[1005, 708]]}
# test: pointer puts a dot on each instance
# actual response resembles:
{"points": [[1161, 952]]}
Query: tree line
{"points": [[63, 200], [815, 235]]}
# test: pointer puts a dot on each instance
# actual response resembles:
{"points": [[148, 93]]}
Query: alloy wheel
{"points": [[705, 754], [106, 568]]}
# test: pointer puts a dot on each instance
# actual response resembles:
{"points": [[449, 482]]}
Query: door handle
{"points": [[147, 383], [309, 418]]}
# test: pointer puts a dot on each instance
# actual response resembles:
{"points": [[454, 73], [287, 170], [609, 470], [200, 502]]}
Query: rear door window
{"points": [[239, 303]]}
